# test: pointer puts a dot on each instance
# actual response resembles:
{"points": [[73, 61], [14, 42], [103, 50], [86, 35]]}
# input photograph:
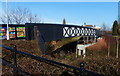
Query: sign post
{"points": [[7, 19]]}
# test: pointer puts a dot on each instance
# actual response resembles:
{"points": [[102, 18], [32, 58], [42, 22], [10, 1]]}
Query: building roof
{"points": [[89, 25], [93, 26]]}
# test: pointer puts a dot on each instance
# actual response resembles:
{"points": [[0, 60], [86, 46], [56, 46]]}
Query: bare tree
{"points": [[21, 15], [29, 18], [36, 19], [4, 20], [103, 28], [104, 31], [33, 18]]}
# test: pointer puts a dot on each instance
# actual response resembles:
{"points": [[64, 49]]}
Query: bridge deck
{"points": [[51, 32]]}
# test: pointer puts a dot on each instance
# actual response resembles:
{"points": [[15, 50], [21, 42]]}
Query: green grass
{"points": [[68, 57], [67, 40], [60, 43]]}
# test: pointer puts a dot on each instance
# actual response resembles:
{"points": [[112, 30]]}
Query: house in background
{"points": [[93, 26]]}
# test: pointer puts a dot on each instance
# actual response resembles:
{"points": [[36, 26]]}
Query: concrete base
{"points": [[81, 49]]}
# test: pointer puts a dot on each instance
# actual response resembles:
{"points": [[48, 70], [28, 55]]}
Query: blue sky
{"points": [[61, 0], [94, 13]]}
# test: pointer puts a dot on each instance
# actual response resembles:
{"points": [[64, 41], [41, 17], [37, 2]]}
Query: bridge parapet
{"points": [[52, 32], [78, 31]]}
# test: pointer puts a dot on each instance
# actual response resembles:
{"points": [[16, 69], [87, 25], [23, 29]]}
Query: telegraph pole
{"points": [[117, 52], [108, 46], [7, 19]]}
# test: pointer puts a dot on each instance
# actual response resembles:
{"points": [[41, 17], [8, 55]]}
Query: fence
{"points": [[81, 69]]}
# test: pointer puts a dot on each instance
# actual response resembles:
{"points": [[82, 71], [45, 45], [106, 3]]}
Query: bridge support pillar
{"points": [[87, 39], [81, 51], [84, 39], [95, 39]]}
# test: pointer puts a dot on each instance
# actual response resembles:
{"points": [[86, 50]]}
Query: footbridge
{"points": [[52, 32], [81, 49]]}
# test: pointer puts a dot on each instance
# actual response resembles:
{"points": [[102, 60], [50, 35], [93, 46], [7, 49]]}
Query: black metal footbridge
{"points": [[52, 32]]}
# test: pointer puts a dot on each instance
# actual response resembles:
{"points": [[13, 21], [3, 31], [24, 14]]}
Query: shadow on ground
{"points": [[68, 48]]}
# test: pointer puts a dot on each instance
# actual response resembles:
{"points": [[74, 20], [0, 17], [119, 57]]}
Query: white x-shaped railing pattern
{"points": [[76, 31]]}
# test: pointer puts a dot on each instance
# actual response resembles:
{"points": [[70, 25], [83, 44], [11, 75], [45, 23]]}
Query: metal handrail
{"points": [[12, 66], [51, 61]]}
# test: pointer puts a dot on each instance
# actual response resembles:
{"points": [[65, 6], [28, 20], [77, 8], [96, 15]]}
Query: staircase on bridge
{"points": [[81, 49], [53, 32], [83, 44]]}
